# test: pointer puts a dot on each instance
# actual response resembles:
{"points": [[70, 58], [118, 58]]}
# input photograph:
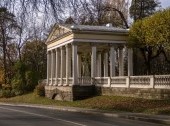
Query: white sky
{"points": [[165, 3]]}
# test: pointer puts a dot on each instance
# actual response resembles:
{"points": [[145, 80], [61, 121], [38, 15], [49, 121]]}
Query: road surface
{"points": [[28, 116]]}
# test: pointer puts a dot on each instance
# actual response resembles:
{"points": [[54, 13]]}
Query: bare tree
{"points": [[7, 27], [99, 12]]}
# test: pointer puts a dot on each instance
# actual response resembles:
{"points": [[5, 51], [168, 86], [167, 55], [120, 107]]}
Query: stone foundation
{"points": [[72, 93], [69, 93], [59, 93], [135, 92]]}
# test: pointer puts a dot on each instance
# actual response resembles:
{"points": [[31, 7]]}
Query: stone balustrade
{"points": [[84, 81], [140, 82], [162, 81], [156, 81], [102, 81], [118, 81]]}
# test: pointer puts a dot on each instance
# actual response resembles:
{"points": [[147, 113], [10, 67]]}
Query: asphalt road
{"points": [[26, 116]]}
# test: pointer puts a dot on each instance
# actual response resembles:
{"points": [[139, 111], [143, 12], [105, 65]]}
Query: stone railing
{"points": [[101, 81], [70, 81], [84, 81], [57, 82], [162, 81], [141, 82], [118, 82], [157, 81]]}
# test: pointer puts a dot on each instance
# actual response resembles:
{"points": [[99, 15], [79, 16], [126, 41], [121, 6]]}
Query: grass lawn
{"points": [[112, 103]]}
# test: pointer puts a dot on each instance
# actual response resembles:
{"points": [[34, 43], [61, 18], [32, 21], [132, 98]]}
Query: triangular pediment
{"points": [[57, 31]]}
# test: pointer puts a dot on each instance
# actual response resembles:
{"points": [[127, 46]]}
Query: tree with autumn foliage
{"points": [[152, 36]]}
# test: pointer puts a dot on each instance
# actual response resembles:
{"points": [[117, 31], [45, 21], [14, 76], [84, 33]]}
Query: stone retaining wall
{"points": [[71, 93], [135, 92]]}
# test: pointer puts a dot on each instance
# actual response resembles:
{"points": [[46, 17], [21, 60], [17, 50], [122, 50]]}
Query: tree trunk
{"points": [[4, 54], [148, 65]]}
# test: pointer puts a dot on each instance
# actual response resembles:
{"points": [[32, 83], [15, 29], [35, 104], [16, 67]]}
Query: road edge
{"points": [[131, 116]]}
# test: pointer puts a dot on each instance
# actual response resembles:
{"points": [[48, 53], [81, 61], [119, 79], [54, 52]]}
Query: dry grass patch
{"points": [[111, 103]]}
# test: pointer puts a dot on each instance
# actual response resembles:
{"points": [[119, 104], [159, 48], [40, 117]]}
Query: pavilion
{"points": [[83, 61], [82, 55], [69, 45]]}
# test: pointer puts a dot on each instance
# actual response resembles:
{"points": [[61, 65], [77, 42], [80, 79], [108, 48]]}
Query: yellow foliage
{"points": [[1, 76], [151, 31]]}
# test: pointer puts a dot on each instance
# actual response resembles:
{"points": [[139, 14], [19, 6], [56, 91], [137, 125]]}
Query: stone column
{"points": [[74, 63], [57, 74], [112, 61], [48, 66], [130, 62], [79, 64], [121, 62], [105, 64], [62, 65], [68, 63], [52, 66], [99, 64], [93, 61], [64, 62]]}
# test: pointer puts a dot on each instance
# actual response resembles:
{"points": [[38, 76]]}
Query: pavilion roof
{"points": [[62, 30], [94, 28]]}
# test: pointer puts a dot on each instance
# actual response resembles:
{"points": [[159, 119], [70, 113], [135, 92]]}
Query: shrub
{"points": [[17, 86], [31, 80], [18, 81], [40, 90], [23, 81], [6, 93]]}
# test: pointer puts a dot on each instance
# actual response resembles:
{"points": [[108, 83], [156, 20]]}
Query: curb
{"points": [[147, 119], [131, 116]]}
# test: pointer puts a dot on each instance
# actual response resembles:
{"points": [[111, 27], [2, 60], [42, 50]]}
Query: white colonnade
{"points": [[64, 63]]}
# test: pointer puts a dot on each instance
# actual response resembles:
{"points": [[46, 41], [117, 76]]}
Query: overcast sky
{"points": [[165, 3]]}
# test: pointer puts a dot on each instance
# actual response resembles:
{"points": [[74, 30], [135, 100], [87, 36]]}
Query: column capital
{"points": [[49, 51], [113, 45], [105, 51], [61, 47], [74, 43], [56, 49], [53, 50], [121, 46], [99, 52], [68, 46], [93, 44]]}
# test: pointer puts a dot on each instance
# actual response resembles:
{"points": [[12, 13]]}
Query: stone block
{"points": [[69, 93]]}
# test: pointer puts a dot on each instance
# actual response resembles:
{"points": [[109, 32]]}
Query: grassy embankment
{"points": [[111, 103]]}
